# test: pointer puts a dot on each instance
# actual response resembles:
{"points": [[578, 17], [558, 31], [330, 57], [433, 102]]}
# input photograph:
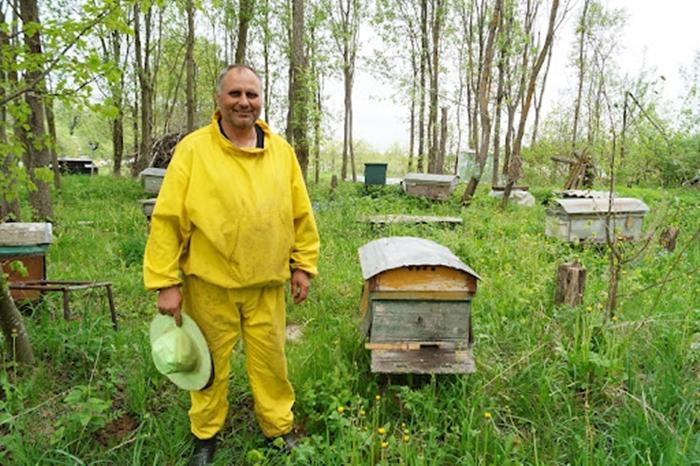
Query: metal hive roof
{"points": [[402, 251], [600, 205], [430, 178]]}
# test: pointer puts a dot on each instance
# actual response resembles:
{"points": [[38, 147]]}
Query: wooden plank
{"points": [[404, 321], [428, 295], [21, 234], [411, 219], [425, 361], [425, 278], [416, 345]]}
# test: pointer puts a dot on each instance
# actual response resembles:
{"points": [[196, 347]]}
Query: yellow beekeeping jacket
{"points": [[234, 217]]}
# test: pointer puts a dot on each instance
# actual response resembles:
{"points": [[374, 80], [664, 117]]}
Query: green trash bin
{"points": [[375, 173]]}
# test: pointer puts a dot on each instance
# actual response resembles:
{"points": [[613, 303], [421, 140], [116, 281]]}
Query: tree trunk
{"points": [[117, 90], [421, 73], [9, 203], [484, 92], [514, 169], [37, 153], [442, 148], [540, 98], [189, 60], [51, 125], [297, 87], [581, 73], [143, 70], [247, 9], [497, 124], [438, 14], [267, 40], [18, 345], [570, 284]]}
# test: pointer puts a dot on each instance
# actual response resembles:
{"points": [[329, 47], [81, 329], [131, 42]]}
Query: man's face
{"points": [[239, 99]]}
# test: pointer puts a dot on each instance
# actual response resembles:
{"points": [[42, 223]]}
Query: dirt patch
{"points": [[116, 430]]}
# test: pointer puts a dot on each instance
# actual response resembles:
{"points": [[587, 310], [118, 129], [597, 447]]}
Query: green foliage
{"points": [[554, 385]]}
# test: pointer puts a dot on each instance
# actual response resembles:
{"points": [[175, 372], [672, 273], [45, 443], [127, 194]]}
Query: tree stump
{"points": [[571, 282], [668, 238]]}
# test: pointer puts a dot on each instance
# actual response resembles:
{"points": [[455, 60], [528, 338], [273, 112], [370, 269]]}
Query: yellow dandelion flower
{"points": [[362, 412], [406, 438], [378, 397], [340, 409], [487, 415], [405, 431], [385, 444], [381, 431], [615, 318]]}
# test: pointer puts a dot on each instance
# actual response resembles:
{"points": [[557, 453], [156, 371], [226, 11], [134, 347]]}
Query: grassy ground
{"points": [[554, 385]]}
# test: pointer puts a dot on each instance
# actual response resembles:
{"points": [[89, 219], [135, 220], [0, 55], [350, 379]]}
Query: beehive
{"points": [[26, 243], [431, 186], [416, 307], [586, 219], [152, 178]]}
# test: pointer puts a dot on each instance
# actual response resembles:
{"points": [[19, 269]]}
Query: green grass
{"points": [[554, 385]]}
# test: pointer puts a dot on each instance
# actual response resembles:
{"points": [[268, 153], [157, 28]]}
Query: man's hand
{"points": [[300, 285], [170, 303]]}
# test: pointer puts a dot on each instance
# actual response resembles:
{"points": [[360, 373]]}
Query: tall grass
{"points": [[554, 385]]}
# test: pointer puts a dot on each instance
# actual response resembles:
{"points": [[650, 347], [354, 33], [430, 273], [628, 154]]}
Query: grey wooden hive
{"points": [[416, 307], [586, 219]]}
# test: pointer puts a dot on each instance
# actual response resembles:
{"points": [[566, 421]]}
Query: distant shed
{"points": [[77, 166], [585, 219], [416, 307], [429, 185]]}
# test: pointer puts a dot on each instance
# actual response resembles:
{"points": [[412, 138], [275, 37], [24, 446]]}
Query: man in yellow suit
{"points": [[232, 223]]}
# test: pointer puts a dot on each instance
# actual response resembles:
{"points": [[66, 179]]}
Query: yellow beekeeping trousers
{"points": [[258, 314]]}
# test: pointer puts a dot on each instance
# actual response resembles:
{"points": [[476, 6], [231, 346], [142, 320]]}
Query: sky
{"points": [[660, 34]]}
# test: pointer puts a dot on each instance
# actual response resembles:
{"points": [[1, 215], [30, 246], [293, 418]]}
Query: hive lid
{"points": [[402, 251], [25, 234], [600, 205], [151, 171], [430, 178]]}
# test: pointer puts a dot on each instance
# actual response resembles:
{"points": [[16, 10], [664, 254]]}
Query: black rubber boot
{"points": [[203, 453]]}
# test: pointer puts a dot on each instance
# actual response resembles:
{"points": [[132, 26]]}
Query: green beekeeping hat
{"points": [[180, 353]]}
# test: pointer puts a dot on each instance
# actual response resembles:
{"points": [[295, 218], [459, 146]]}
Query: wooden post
{"points": [[668, 238], [571, 282]]}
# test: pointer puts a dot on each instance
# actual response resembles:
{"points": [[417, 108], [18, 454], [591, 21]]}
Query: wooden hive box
{"points": [[26, 243], [416, 307], [152, 178], [438, 187], [585, 219]]}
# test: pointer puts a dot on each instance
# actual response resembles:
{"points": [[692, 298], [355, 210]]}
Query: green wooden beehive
{"points": [[416, 307]]}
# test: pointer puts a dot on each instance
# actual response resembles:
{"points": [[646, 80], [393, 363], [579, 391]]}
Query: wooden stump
{"points": [[334, 183], [571, 282], [668, 238]]}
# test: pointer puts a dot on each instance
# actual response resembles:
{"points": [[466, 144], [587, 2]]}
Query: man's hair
{"points": [[235, 66]]}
